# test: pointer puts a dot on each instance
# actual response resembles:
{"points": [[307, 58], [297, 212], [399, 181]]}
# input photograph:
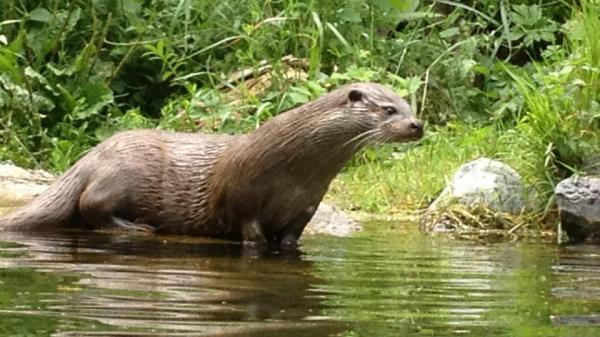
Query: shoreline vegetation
{"points": [[516, 82]]}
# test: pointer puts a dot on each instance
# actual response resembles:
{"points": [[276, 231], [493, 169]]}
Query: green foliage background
{"points": [[514, 80]]}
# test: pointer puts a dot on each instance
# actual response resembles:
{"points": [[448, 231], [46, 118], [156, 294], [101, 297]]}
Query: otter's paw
{"points": [[288, 244]]}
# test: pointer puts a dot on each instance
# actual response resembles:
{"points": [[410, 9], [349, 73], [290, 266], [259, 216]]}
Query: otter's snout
{"points": [[416, 128], [403, 129]]}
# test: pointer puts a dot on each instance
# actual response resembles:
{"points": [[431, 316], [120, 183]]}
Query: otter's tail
{"points": [[55, 207]]}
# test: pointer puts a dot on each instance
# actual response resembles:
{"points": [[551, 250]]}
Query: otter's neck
{"points": [[313, 141]]}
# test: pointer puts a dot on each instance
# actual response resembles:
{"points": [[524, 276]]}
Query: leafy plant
{"points": [[518, 81], [530, 25]]}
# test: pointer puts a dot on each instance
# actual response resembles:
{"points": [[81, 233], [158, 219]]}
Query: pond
{"points": [[388, 280]]}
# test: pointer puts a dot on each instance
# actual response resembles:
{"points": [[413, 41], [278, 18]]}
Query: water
{"points": [[387, 281]]}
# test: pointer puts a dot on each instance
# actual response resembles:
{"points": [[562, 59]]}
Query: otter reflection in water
{"points": [[142, 282]]}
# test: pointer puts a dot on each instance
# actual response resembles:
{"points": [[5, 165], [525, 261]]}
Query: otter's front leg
{"points": [[291, 233], [252, 233]]}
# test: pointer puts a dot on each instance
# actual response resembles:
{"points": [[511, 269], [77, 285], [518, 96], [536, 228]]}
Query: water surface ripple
{"points": [[382, 282]]}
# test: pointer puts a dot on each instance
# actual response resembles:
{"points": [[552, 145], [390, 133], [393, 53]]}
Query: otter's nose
{"points": [[416, 126]]}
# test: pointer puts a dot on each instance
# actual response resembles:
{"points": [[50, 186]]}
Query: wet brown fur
{"points": [[261, 186]]}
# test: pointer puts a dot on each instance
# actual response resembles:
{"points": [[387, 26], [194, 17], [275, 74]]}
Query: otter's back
{"points": [[168, 176]]}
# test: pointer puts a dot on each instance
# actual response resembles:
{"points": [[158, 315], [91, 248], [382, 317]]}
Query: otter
{"points": [[260, 187]]}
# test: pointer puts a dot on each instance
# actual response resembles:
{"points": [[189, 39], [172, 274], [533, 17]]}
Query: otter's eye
{"points": [[390, 110]]}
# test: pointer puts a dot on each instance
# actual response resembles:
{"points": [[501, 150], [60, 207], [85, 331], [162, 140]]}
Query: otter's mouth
{"points": [[416, 135], [408, 138], [403, 137]]}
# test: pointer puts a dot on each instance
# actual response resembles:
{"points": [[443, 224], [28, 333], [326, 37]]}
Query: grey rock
{"points": [[17, 185], [486, 182], [578, 200], [329, 220]]}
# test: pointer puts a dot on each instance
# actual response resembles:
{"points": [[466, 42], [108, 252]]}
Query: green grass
{"points": [[412, 177]]}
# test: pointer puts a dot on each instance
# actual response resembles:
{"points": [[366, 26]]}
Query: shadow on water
{"points": [[382, 282]]}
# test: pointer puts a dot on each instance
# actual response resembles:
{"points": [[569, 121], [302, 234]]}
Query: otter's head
{"points": [[381, 115]]}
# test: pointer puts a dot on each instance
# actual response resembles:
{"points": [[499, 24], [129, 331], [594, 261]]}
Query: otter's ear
{"points": [[355, 95]]}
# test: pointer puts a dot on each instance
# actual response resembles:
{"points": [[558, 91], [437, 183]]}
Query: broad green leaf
{"points": [[68, 101], [361, 74], [515, 35], [413, 84], [41, 40], [350, 14], [297, 98], [39, 78], [7, 62], [96, 95], [40, 14], [131, 7], [405, 5]]}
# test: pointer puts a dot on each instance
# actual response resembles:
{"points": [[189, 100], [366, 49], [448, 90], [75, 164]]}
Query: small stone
{"points": [[482, 182], [18, 186], [486, 181], [579, 211], [331, 221]]}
